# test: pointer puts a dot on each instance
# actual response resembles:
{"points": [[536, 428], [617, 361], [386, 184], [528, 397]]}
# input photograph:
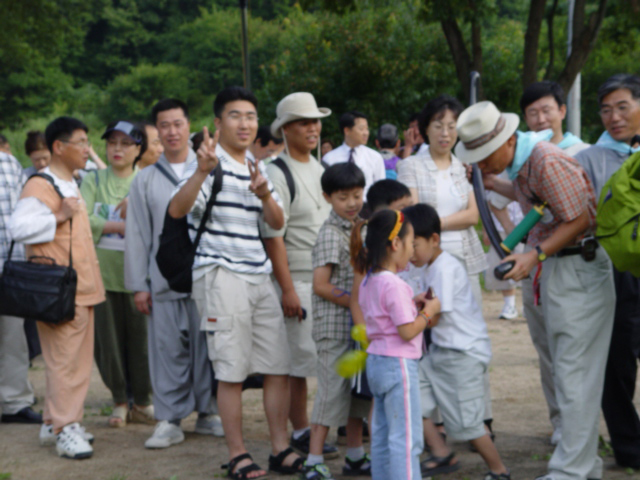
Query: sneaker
{"points": [[316, 472], [165, 435], [209, 425], [556, 437], [508, 312], [48, 438], [72, 444], [301, 444], [357, 468]]}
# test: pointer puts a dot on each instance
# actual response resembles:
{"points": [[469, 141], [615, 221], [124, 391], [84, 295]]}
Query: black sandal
{"points": [[276, 463], [442, 465], [241, 473]]}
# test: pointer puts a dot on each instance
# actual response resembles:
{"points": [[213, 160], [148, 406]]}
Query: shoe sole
{"points": [[160, 447], [77, 456], [206, 431]]}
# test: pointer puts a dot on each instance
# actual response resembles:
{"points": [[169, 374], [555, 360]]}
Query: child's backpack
{"points": [[618, 216]]}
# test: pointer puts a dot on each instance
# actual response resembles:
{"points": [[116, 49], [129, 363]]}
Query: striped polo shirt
{"points": [[231, 238]]}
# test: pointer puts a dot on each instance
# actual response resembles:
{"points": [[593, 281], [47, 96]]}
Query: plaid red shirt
{"points": [[552, 176]]}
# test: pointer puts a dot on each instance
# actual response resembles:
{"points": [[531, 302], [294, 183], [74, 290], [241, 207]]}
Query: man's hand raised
{"points": [[259, 185], [207, 159]]}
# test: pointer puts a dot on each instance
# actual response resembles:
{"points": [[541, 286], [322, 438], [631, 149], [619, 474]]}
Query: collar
{"points": [[341, 222], [222, 154], [456, 165], [524, 146], [607, 141], [569, 140]]}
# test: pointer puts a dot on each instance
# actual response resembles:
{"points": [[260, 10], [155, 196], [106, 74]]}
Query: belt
{"points": [[574, 250]]}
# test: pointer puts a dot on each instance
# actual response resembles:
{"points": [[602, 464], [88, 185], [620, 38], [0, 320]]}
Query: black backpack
{"points": [[280, 163], [176, 252]]}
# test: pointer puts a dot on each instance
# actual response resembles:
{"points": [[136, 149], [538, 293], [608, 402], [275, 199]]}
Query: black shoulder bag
{"points": [[280, 163], [176, 252], [41, 290]]}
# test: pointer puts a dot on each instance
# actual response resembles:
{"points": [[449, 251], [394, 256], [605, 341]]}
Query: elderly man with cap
{"points": [[575, 284], [296, 178]]}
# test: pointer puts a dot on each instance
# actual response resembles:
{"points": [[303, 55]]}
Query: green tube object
{"points": [[524, 227]]}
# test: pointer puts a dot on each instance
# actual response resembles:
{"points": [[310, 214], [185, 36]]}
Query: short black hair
{"points": [[385, 192], [342, 176], [3, 140], [424, 218], [538, 90], [232, 94], [35, 141], [61, 129], [348, 119], [168, 104], [196, 140], [618, 81], [435, 109], [414, 117], [264, 135]]}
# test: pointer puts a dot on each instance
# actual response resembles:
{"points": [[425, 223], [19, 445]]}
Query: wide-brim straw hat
{"points": [[482, 129], [296, 106]]}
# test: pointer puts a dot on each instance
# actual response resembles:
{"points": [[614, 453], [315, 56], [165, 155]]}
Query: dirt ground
{"points": [[520, 423]]}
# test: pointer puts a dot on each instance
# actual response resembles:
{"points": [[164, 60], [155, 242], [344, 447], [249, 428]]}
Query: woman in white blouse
{"points": [[438, 178]]}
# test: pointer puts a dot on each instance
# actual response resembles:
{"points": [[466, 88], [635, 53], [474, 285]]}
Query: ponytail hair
{"points": [[370, 239]]}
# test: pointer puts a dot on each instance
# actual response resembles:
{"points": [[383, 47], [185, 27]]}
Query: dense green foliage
{"points": [[105, 59]]}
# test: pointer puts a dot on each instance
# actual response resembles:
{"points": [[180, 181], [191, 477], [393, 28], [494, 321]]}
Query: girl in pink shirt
{"points": [[394, 327]]}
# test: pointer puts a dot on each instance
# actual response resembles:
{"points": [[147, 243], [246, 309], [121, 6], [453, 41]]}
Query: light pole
{"points": [[245, 44]]}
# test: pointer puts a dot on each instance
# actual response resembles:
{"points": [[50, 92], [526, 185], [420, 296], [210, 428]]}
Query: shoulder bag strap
{"points": [[281, 164], [215, 189], [166, 174]]}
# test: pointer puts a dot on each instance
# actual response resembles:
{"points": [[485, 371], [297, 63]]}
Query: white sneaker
{"points": [[48, 438], [72, 444], [210, 425], [165, 435], [556, 437], [508, 312]]}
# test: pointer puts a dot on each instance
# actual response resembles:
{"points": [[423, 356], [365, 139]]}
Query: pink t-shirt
{"points": [[387, 302]]}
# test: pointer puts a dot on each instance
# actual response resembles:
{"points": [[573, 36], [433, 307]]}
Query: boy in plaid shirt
{"points": [[575, 284], [343, 187]]}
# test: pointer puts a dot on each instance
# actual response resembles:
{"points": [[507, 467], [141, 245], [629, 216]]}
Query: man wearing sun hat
{"points": [[576, 283], [299, 124]]}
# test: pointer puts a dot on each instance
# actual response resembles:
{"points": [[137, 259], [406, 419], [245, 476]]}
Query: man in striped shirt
{"points": [[238, 304]]}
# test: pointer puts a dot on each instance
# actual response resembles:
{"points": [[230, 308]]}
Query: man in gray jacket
{"points": [[181, 374], [619, 100]]}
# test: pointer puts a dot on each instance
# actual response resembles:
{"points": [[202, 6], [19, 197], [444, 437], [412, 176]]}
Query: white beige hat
{"points": [[295, 107], [482, 129]]}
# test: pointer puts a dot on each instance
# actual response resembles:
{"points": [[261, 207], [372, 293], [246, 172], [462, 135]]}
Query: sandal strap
{"points": [[439, 461], [278, 459], [235, 460]]}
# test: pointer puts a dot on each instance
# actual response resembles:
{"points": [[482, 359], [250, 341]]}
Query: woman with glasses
{"points": [[120, 330]]}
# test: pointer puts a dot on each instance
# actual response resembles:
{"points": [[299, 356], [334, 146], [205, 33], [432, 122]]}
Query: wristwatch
{"points": [[541, 255]]}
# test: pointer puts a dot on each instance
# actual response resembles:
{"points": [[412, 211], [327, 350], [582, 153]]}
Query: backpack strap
{"points": [[164, 172], [281, 164], [215, 189], [49, 179]]}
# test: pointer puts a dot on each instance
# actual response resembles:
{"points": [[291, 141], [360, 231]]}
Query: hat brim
{"points": [[512, 121], [287, 117]]}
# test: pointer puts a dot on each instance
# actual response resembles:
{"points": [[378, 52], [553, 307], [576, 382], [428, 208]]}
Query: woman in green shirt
{"points": [[120, 330]]}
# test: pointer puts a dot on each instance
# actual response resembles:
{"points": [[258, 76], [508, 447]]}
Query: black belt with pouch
{"points": [[586, 249]]}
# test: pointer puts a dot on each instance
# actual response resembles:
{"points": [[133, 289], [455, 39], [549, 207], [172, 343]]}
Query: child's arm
{"points": [[425, 319], [356, 312], [323, 287]]}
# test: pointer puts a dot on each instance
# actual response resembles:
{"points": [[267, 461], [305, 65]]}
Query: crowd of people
{"points": [[305, 243]]}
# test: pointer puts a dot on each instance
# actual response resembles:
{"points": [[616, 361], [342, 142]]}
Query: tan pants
{"points": [[68, 356]]}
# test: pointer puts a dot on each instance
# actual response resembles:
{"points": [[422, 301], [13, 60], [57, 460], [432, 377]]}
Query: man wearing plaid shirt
{"points": [[576, 283], [16, 393]]}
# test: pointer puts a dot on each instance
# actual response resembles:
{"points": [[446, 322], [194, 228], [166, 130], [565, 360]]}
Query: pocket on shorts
{"points": [[222, 323], [471, 404]]}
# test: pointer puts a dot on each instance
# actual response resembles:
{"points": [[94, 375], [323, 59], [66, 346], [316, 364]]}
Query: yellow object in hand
{"points": [[359, 334], [351, 363]]}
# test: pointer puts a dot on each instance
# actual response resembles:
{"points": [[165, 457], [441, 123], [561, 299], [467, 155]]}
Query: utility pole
{"points": [[245, 44], [573, 99]]}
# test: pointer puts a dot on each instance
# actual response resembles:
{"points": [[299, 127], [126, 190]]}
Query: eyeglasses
{"points": [[79, 143], [622, 110], [115, 144], [237, 117]]}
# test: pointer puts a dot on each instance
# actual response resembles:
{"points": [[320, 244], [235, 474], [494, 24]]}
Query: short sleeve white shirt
{"points": [[368, 160]]}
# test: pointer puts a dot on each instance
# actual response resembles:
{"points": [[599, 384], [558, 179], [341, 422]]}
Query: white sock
{"points": [[298, 433], [314, 460], [355, 454], [510, 301]]}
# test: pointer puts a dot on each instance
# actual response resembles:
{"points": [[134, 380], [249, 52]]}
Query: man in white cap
{"points": [[296, 178], [576, 283]]}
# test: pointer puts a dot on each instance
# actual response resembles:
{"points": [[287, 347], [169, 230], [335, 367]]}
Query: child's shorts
{"points": [[454, 381], [334, 404]]}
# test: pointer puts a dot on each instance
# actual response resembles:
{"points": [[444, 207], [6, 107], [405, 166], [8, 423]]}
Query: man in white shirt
{"points": [[355, 128]]}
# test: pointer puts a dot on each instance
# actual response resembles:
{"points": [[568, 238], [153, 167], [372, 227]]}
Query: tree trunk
{"points": [[583, 40], [552, 54], [458, 49], [531, 42]]}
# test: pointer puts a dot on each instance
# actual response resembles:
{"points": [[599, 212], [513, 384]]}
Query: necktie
{"points": [[351, 156]]}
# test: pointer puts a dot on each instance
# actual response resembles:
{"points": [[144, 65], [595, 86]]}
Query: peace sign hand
{"points": [[259, 185], [207, 159]]}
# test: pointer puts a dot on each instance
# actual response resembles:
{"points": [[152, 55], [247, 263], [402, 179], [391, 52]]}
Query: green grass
{"points": [[106, 410], [5, 476]]}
